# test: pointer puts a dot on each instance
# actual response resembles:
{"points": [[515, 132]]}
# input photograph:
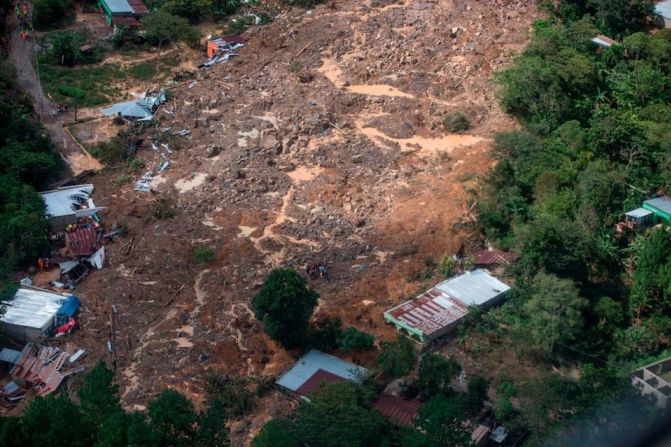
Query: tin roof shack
{"points": [[660, 207], [67, 204], [639, 216], [437, 311], [663, 14], [139, 110], [602, 41], [40, 367], [123, 12], [33, 313], [655, 380], [316, 367], [400, 411], [224, 44]]}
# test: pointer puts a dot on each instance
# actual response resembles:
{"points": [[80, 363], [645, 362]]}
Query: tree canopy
{"points": [[284, 305]]}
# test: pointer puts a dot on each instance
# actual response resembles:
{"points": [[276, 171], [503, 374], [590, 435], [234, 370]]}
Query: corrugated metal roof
{"points": [[130, 22], [10, 355], [315, 382], [314, 361], [473, 288], [129, 109], [65, 200], [447, 302], [118, 6], [603, 41], [138, 7], [430, 312], [638, 212], [493, 257], [663, 9], [661, 203], [82, 242], [401, 411], [32, 307]]}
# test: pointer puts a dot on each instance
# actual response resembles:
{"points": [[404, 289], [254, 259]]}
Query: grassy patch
{"points": [[203, 254], [81, 86], [144, 71], [121, 179]]}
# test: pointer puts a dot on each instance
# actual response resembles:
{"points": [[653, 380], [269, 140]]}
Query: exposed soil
{"points": [[330, 148]]}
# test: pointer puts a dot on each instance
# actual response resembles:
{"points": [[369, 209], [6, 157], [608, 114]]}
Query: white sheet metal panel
{"points": [[476, 287], [32, 308], [63, 201], [315, 360]]}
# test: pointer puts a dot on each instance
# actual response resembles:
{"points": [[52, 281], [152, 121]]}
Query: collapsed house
{"points": [[123, 12], [142, 109], [221, 49], [315, 368], [41, 367], [439, 310], [67, 204], [34, 314]]}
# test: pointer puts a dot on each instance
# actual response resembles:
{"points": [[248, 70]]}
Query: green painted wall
{"points": [[660, 214]]}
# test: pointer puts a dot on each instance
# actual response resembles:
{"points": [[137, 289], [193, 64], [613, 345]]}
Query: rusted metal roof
{"points": [[400, 411], [316, 380], [83, 241], [430, 312], [40, 366], [301, 376], [138, 7], [493, 257], [130, 22]]}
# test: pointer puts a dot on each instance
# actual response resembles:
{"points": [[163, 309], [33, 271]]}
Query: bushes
{"points": [[144, 71], [456, 122], [47, 13], [203, 254], [354, 340]]}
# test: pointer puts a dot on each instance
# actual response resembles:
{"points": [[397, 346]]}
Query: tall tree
{"points": [[397, 357], [338, 416], [554, 311], [440, 423], [436, 372], [284, 306], [173, 418]]}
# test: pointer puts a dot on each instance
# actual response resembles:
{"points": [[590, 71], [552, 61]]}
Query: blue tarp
{"points": [[69, 308]]}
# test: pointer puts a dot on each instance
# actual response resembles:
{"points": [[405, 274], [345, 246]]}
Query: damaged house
{"points": [[142, 109], [65, 205], [34, 313], [439, 310]]}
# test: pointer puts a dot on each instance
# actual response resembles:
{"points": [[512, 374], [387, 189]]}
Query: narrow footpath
{"points": [[22, 56]]}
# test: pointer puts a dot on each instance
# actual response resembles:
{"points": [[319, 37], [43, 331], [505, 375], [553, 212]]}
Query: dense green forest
{"points": [[97, 418], [28, 163]]}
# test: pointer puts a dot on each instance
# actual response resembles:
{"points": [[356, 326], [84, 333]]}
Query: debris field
{"points": [[320, 142]]}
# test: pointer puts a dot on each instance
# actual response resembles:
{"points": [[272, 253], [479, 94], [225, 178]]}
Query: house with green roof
{"points": [[123, 12]]}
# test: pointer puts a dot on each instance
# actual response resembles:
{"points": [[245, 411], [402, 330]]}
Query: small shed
{"points": [[660, 207], [34, 312], [120, 9], [603, 41], [639, 216], [663, 14], [315, 368], [67, 204]]}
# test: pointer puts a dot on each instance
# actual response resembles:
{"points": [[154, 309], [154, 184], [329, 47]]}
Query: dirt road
{"points": [[22, 56]]}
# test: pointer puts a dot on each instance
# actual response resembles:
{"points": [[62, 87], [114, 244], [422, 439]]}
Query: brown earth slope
{"points": [[331, 148]]}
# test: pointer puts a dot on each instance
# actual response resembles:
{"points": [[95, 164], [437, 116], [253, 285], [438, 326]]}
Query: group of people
{"points": [[23, 15], [317, 270]]}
